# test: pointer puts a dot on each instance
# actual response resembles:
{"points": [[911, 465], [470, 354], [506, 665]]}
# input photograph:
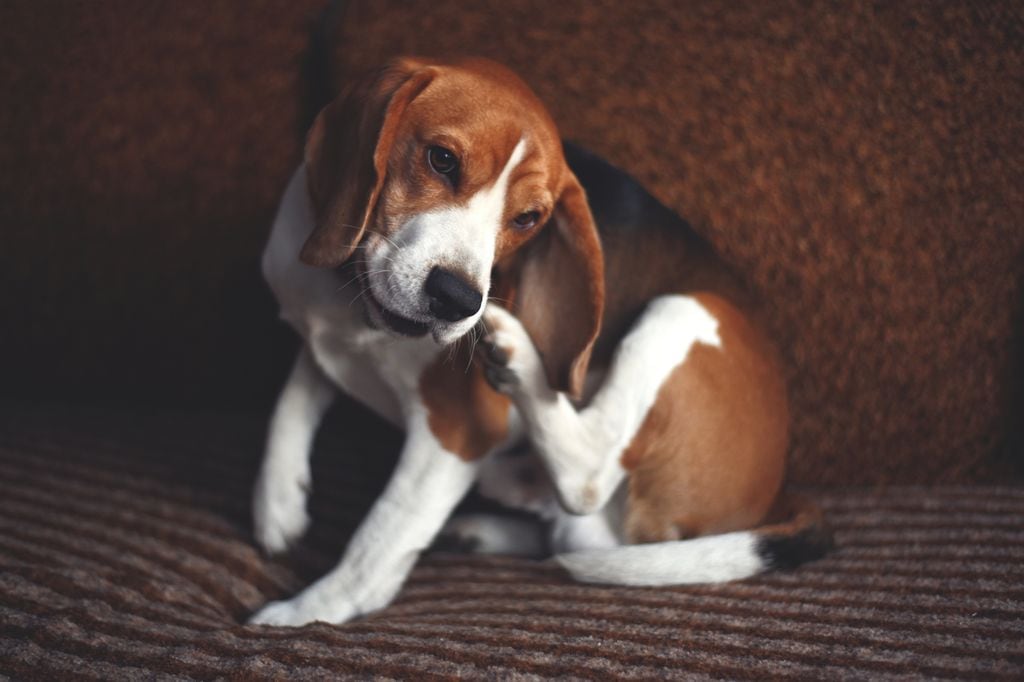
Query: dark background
{"points": [[863, 168]]}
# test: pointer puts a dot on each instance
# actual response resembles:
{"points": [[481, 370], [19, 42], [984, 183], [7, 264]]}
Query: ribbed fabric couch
{"points": [[861, 164]]}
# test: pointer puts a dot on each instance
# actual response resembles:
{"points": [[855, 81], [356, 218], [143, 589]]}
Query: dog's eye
{"points": [[442, 160], [526, 220]]}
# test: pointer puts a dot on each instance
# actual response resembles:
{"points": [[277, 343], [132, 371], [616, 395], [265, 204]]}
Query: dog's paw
{"points": [[456, 538], [277, 613], [510, 361], [485, 534], [499, 375], [302, 609], [279, 508]]}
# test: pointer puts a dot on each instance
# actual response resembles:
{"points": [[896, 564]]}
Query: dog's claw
{"points": [[495, 360], [455, 543], [500, 378], [496, 355], [506, 353]]}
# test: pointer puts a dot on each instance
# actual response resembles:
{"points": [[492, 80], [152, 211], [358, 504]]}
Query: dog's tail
{"points": [[714, 558]]}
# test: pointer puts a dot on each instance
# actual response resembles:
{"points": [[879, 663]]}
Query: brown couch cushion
{"points": [[861, 164], [125, 553]]}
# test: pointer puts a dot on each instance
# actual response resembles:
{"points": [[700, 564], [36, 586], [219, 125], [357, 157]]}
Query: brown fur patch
{"points": [[466, 415], [710, 456]]}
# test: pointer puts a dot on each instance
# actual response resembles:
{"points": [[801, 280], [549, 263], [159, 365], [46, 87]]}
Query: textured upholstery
{"points": [[124, 553], [861, 164]]}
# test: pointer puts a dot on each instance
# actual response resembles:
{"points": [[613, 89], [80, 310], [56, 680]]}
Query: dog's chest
{"points": [[374, 368]]}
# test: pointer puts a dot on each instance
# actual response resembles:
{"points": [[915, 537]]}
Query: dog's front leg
{"points": [[426, 485], [279, 496]]}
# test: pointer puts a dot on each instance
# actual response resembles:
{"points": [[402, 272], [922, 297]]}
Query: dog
{"points": [[438, 256]]}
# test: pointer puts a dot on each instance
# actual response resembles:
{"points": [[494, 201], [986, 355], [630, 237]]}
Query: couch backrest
{"points": [[862, 164]]}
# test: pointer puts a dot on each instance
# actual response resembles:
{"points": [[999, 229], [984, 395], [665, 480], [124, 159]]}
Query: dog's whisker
{"points": [[475, 333], [483, 324], [392, 287], [361, 276], [453, 349], [365, 291], [388, 239], [372, 231], [354, 247], [362, 293]]}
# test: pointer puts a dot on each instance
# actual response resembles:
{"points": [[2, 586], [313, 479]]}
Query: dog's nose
{"points": [[451, 297]]}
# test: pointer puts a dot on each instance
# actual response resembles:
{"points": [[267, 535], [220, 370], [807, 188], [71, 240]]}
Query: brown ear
{"points": [[347, 153], [559, 294]]}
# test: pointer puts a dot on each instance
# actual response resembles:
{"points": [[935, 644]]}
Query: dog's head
{"points": [[430, 178]]}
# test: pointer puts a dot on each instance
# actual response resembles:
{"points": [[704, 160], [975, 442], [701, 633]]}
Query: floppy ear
{"points": [[347, 153], [559, 294]]}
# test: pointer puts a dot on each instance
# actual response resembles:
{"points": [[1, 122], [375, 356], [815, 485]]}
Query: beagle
{"points": [[440, 261]]}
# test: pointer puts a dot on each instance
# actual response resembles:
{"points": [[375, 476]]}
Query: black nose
{"points": [[451, 297]]}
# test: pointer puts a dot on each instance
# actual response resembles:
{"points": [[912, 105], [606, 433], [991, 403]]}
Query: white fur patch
{"points": [[570, 533], [712, 559]]}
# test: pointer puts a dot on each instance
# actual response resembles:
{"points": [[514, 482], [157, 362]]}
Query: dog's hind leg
{"points": [[517, 479], [493, 534], [583, 449]]}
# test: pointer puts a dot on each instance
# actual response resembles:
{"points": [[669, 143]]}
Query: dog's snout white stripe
{"points": [[481, 219], [484, 210], [500, 186]]}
